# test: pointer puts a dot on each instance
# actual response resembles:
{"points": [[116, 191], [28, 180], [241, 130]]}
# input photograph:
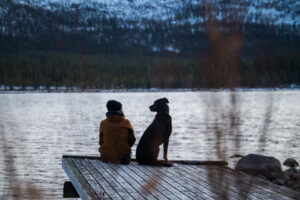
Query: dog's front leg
{"points": [[166, 144]]}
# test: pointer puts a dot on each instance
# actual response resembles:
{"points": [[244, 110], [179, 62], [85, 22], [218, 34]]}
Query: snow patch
{"points": [[172, 49], [277, 11]]}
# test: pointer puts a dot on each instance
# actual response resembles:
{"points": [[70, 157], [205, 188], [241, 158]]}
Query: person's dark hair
{"points": [[113, 105]]}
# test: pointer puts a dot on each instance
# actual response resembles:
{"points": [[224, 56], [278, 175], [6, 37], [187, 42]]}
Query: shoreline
{"points": [[128, 90]]}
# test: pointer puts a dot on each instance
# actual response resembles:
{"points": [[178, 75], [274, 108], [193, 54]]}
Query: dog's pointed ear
{"points": [[166, 100]]}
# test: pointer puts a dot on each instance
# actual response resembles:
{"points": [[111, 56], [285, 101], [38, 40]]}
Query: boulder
{"points": [[291, 162], [261, 177], [255, 164], [290, 182], [279, 181], [297, 186], [236, 156], [291, 173]]}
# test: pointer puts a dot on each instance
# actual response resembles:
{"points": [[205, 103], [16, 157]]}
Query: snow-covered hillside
{"points": [[147, 26], [180, 11]]}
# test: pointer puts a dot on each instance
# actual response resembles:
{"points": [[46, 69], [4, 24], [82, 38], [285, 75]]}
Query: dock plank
{"points": [[111, 186], [155, 194], [214, 183], [92, 180], [199, 180], [80, 183], [185, 186], [118, 186], [166, 187], [155, 183], [123, 178], [263, 187], [122, 181], [134, 183], [238, 185], [266, 185]]}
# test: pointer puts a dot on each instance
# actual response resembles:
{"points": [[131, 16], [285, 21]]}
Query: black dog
{"points": [[156, 134]]}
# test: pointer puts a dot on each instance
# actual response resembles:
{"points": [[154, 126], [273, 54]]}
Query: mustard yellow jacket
{"points": [[116, 137]]}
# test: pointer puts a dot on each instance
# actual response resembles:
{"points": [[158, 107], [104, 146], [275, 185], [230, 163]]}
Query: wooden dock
{"points": [[94, 179]]}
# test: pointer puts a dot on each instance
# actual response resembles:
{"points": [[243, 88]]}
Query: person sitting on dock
{"points": [[116, 135]]}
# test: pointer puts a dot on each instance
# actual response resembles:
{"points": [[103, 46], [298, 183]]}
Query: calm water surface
{"points": [[36, 129]]}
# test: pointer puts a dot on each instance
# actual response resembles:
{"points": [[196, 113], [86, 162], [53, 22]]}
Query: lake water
{"points": [[38, 128]]}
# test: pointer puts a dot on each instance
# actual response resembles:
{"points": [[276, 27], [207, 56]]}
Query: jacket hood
{"points": [[115, 118]]}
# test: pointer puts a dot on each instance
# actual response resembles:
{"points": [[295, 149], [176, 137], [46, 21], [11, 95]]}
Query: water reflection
{"points": [[39, 128]]}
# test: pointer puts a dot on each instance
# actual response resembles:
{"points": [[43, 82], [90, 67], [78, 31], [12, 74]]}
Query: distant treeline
{"points": [[114, 71]]}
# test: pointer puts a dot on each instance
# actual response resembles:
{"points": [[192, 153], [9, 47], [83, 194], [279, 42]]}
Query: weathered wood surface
{"points": [[94, 179]]}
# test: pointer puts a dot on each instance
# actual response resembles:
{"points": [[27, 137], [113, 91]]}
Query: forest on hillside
{"points": [[117, 72], [53, 49]]}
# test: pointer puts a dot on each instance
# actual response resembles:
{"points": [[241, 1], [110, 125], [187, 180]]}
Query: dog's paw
{"points": [[168, 163]]}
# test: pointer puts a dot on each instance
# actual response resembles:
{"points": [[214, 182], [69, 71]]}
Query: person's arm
{"points": [[131, 137], [100, 135]]}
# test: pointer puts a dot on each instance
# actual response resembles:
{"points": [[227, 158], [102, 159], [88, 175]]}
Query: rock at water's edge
{"points": [[291, 162], [255, 164]]}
